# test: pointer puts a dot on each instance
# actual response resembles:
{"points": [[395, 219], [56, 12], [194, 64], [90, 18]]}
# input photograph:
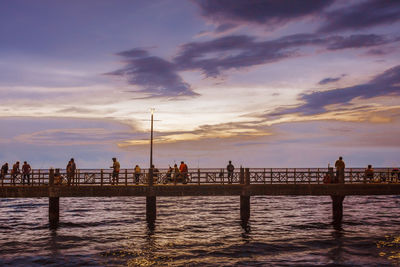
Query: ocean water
{"points": [[201, 231]]}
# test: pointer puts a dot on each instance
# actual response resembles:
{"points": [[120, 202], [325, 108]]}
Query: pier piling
{"points": [[54, 204], [337, 209], [151, 201], [244, 197]]}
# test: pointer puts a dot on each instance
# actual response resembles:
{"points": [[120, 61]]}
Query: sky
{"points": [[262, 83]]}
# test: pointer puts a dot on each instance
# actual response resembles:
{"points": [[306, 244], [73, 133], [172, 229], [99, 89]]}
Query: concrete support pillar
{"points": [[54, 204], [151, 201], [337, 209], [54, 211], [244, 197], [151, 209]]}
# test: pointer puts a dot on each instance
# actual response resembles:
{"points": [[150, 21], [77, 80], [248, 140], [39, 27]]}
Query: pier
{"points": [[201, 182]]}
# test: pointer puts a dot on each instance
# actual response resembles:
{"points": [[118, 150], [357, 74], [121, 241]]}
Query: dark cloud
{"points": [[356, 41], [238, 51], [387, 83], [330, 80], [362, 15], [266, 12], [155, 76]]}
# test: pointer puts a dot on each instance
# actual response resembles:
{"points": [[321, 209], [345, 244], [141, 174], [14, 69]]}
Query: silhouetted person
{"points": [[137, 174], [116, 167], [395, 174], [230, 168], [155, 173], [176, 172], [4, 171], [57, 177], [339, 164], [14, 172], [183, 169], [71, 169], [26, 173], [369, 173], [327, 178]]}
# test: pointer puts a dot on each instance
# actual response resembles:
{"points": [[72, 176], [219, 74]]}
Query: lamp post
{"points": [[151, 138]]}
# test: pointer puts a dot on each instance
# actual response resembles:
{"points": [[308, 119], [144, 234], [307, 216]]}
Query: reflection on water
{"points": [[200, 231], [390, 248]]}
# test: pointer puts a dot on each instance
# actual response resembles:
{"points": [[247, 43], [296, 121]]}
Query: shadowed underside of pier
{"points": [[201, 190]]}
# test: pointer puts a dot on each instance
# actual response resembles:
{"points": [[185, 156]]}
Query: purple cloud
{"points": [[156, 76], [357, 40], [362, 15], [330, 80], [387, 83], [265, 12], [238, 51]]}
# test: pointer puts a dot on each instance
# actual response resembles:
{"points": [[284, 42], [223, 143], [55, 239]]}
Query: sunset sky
{"points": [[261, 83]]}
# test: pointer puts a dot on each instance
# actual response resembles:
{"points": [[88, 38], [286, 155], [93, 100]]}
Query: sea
{"points": [[201, 231]]}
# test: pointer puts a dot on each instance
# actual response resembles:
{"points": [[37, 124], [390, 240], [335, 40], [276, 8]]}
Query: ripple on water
{"points": [[200, 231]]}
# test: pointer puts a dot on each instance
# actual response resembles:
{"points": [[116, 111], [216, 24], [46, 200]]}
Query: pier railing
{"points": [[103, 177]]}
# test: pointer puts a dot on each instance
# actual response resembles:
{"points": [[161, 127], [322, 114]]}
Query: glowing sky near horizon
{"points": [[261, 83]]}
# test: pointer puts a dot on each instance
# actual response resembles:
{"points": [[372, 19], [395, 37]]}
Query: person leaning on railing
{"points": [[4, 171], [15, 172], [137, 174], [116, 167], [369, 173]]}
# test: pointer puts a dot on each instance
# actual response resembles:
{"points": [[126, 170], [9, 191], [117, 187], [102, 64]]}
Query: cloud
{"points": [[362, 15], [155, 76], [357, 41], [330, 80], [239, 51], [75, 136], [264, 12], [387, 83]]}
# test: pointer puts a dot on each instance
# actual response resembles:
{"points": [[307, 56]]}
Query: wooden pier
{"points": [[201, 182]]}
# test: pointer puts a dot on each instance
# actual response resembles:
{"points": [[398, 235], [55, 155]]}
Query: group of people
{"points": [[176, 174], [15, 172], [368, 173]]}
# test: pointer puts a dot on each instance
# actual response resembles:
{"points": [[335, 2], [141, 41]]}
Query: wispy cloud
{"points": [[239, 51], [268, 13], [362, 15], [331, 80], [387, 83], [154, 76]]}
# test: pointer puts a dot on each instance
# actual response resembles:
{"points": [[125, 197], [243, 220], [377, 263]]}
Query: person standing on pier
{"points": [[183, 169], [26, 173], [116, 167], [369, 174], [4, 170], [71, 168], [230, 168], [14, 172], [340, 165], [137, 174]]}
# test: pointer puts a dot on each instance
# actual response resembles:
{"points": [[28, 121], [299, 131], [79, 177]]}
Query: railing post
{"points": [[294, 176], [241, 175], [126, 177], [318, 176], [39, 176], [101, 177], [198, 176], [264, 176], [351, 175], [309, 176]]}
